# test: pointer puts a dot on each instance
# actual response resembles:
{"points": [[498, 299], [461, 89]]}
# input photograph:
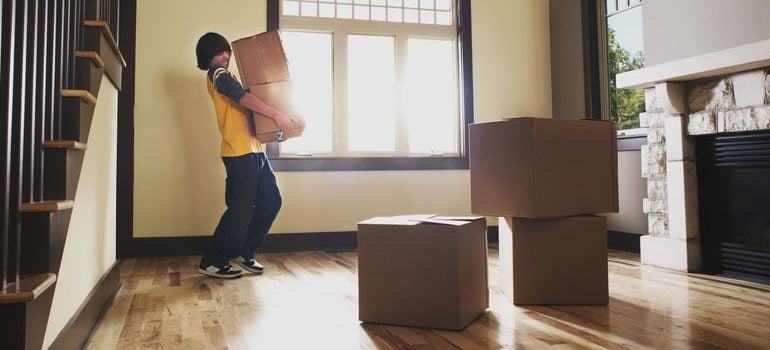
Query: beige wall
{"points": [[511, 59], [90, 247], [179, 178], [567, 60]]}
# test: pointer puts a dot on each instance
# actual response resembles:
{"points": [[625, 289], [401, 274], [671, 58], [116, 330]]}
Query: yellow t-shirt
{"points": [[235, 122]]}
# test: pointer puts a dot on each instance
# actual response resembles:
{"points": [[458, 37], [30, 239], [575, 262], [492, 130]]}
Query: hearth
{"points": [[734, 201]]}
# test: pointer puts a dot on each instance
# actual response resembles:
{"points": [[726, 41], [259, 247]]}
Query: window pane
{"points": [[291, 8], [361, 12], [394, 3], [371, 86], [326, 10], [310, 55], [431, 97], [345, 11], [378, 13], [378, 2], [309, 9], [625, 53], [411, 3], [427, 17], [394, 15], [443, 5], [611, 6], [426, 4], [411, 16], [444, 18]]}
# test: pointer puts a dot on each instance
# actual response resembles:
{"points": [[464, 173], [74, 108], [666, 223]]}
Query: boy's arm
{"points": [[255, 104], [225, 84]]}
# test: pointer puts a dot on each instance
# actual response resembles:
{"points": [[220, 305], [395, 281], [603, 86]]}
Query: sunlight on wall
{"points": [[179, 178]]}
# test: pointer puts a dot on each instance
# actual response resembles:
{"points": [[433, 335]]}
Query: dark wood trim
{"points": [[105, 28], [27, 289], [196, 245], [273, 15], [23, 325], [371, 163], [631, 142], [493, 234], [78, 330], [465, 54], [624, 241], [285, 242], [125, 167], [591, 74]]}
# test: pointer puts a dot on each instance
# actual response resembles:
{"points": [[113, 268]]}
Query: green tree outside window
{"points": [[625, 105]]}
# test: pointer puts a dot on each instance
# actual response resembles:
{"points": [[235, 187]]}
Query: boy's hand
{"points": [[284, 123]]}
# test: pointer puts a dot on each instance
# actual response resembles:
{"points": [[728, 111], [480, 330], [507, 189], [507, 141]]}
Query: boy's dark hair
{"points": [[208, 46]]}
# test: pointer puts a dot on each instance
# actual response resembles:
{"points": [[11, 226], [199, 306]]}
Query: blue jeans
{"points": [[253, 201]]}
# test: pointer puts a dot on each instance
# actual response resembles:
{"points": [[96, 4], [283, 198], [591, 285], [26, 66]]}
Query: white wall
{"points": [[683, 28], [632, 188], [179, 177], [90, 247]]}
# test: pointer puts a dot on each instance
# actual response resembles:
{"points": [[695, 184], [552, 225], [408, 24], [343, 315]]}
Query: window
{"points": [[380, 83], [624, 52]]}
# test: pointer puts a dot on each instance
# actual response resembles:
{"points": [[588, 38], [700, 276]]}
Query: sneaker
{"points": [[226, 271], [251, 265]]}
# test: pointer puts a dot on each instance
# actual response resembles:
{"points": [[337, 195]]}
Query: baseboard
{"points": [[196, 245], [77, 332], [624, 241]]}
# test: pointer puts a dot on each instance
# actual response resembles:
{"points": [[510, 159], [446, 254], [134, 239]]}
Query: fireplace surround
{"points": [[721, 93], [734, 202]]}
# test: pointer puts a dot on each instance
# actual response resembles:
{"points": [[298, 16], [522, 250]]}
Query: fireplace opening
{"points": [[734, 202]]}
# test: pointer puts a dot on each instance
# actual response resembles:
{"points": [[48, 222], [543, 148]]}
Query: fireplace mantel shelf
{"points": [[733, 60]]}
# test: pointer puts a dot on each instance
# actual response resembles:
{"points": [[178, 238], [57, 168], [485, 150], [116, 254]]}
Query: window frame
{"points": [[427, 162], [604, 64]]}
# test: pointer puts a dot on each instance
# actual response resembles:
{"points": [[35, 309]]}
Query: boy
{"points": [[251, 192]]}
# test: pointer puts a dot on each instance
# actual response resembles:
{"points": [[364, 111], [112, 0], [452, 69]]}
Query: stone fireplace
{"points": [[721, 93]]}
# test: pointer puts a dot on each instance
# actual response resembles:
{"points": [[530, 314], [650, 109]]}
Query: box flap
{"points": [[463, 218], [443, 222]]}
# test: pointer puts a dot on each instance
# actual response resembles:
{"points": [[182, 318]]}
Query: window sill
{"points": [[631, 141], [369, 163]]}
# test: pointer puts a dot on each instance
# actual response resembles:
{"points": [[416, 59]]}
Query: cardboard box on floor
{"points": [[559, 261], [423, 274], [539, 168], [261, 59], [280, 95]]}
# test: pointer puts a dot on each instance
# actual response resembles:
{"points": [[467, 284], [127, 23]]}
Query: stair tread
{"points": [[110, 38], [46, 206], [93, 55], [27, 288], [84, 94], [68, 144]]}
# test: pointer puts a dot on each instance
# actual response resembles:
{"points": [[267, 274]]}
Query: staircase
{"points": [[53, 55]]}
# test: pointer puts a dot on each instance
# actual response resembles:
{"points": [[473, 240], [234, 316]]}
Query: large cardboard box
{"points": [[280, 95], [539, 168], [261, 59], [554, 261], [425, 274]]}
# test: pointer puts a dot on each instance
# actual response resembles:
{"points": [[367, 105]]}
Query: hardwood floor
{"points": [[308, 300]]}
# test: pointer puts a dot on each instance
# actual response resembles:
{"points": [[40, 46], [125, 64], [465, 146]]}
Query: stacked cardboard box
{"points": [[423, 271], [264, 71], [545, 178]]}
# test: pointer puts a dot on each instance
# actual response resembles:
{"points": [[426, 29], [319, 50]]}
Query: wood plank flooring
{"points": [[308, 300]]}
